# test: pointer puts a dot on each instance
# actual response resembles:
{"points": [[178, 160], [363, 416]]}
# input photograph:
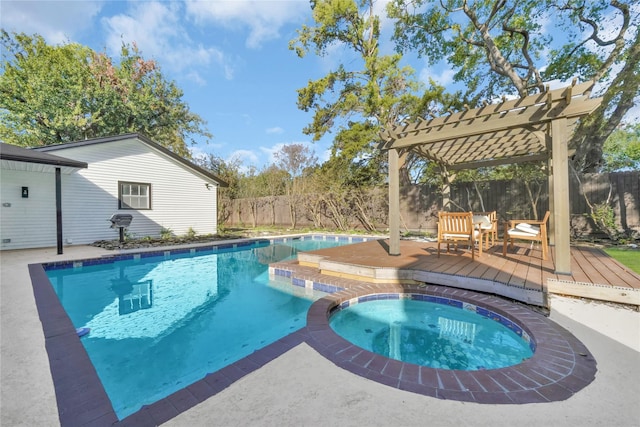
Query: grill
{"points": [[121, 221]]}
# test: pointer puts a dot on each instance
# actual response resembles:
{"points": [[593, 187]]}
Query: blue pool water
{"points": [[161, 323], [430, 334]]}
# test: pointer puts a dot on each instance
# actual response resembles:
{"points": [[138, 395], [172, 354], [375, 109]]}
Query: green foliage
{"points": [[273, 180], [191, 233], [501, 47], [603, 216], [527, 172], [229, 172], [128, 235], [575, 58], [622, 149], [373, 93], [166, 233], [297, 160], [490, 44], [55, 94]]}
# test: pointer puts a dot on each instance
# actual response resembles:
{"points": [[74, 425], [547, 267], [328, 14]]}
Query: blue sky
{"points": [[230, 58]]}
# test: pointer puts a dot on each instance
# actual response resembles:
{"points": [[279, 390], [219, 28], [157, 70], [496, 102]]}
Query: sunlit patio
{"points": [[301, 387]]}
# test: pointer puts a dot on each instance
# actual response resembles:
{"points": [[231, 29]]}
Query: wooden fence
{"points": [[419, 204]]}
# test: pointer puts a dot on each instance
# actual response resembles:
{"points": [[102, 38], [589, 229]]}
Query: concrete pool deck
{"points": [[301, 387]]}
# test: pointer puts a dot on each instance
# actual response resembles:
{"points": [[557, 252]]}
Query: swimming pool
{"points": [[560, 367], [161, 321]]}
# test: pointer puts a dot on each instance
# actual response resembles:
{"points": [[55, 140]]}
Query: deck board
{"points": [[521, 271], [589, 266]]}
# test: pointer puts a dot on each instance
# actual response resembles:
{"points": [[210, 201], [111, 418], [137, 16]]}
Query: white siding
{"points": [[28, 222], [179, 198]]}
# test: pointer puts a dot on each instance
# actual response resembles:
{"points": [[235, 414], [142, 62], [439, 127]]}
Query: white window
{"points": [[134, 195]]}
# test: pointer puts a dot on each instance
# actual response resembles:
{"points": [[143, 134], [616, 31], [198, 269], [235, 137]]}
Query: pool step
{"points": [[308, 277]]}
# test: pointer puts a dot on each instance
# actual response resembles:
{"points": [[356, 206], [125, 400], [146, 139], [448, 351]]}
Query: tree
{"points": [[497, 48], [229, 172], [622, 149], [54, 94], [295, 159], [314, 200], [376, 93], [274, 181], [251, 188]]}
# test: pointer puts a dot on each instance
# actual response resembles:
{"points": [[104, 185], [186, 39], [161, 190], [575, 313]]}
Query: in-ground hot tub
{"points": [[432, 331], [559, 366]]}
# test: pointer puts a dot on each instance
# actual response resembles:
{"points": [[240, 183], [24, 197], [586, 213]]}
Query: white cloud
{"points": [[247, 157], [263, 18], [271, 151], [57, 21], [157, 29], [197, 153], [324, 155], [195, 77], [275, 130], [387, 46], [444, 77]]}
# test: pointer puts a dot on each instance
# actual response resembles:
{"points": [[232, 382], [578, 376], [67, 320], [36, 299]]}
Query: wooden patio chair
{"points": [[526, 229], [457, 228], [487, 223]]}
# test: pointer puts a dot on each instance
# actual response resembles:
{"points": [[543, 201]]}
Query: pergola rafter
{"points": [[533, 128]]}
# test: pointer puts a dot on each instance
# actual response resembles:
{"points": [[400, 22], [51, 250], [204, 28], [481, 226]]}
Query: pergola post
{"points": [[552, 225], [561, 208], [394, 202]]}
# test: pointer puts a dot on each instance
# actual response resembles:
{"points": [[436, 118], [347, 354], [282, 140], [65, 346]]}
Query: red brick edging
{"points": [[560, 367]]}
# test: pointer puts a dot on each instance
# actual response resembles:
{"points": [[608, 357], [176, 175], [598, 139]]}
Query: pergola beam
{"points": [[499, 162], [485, 124], [556, 95]]}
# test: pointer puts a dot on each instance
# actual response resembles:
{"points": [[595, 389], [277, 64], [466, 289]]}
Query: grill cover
{"points": [[120, 220]]}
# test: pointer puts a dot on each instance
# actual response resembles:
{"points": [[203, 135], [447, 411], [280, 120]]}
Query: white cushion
{"points": [[528, 228], [482, 220], [459, 235], [514, 232], [455, 236]]}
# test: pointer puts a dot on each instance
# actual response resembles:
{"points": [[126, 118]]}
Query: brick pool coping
{"points": [[80, 396], [560, 367]]}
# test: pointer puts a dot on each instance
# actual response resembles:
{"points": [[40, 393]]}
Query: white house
{"points": [[66, 193]]}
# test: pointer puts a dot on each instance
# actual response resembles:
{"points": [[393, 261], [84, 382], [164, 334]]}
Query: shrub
{"points": [[166, 233]]}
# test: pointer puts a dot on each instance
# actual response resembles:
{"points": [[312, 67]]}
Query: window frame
{"points": [[123, 205]]}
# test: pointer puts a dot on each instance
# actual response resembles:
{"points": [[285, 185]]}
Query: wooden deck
{"points": [[521, 275]]}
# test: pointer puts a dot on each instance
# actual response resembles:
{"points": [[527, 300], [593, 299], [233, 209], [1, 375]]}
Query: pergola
{"points": [[534, 128]]}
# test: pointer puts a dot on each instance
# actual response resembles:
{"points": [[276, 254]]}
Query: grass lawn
{"points": [[627, 256]]}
